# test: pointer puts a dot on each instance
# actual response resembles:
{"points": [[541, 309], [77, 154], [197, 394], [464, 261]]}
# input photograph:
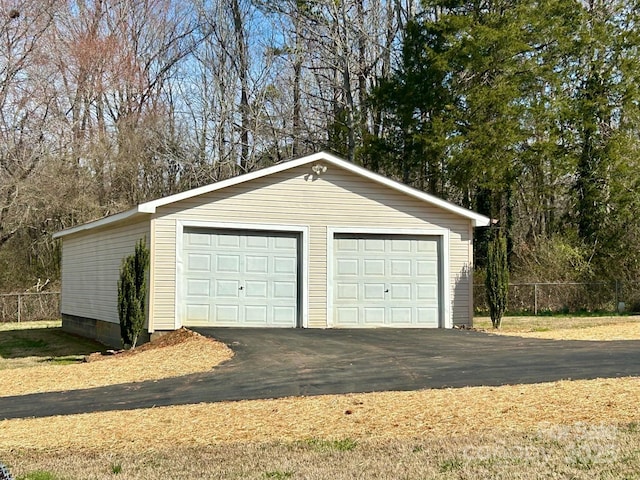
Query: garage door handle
{"points": [[386, 290], [241, 287]]}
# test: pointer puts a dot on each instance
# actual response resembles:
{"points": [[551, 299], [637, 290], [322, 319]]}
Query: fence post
{"points": [[535, 299], [19, 306]]}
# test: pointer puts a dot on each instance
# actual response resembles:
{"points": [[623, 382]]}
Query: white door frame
{"points": [[303, 256], [442, 233]]}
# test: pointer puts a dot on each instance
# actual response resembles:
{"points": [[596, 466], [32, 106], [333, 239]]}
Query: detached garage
{"points": [[316, 242]]}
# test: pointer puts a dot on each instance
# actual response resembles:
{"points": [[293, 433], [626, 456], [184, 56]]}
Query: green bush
{"points": [[132, 294], [497, 278]]}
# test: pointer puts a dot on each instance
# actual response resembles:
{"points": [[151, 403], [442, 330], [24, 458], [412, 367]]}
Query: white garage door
{"points": [[386, 281], [240, 279]]}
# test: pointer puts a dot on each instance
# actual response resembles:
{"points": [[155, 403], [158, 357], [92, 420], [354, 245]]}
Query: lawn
{"points": [[554, 323], [569, 429], [28, 344]]}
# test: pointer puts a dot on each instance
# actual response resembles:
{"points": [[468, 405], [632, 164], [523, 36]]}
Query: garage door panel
{"points": [[199, 262], [427, 247], [227, 263], [400, 268], [401, 245], [373, 315], [400, 291], [284, 265], [427, 291], [428, 316], [373, 291], [347, 291], [197, 239], [257, 264], [254, 278], [198, 287], [373, 268], [400, 316], [227, 288], [347, 316], [285, 243], [374, 245], [284, 316], [390, 280], [258, 243], [346, 244], [256, 289], [285, 290], [227, 241], [427, 268], [227, 314], [198, 313], [347, 267], [255, 314]]}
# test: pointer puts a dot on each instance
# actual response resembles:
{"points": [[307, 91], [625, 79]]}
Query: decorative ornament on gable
{"points": [[318, 169]]}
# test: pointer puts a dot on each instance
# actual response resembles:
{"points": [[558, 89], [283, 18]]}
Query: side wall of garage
{"points": [[296, 197], [90, 270]]}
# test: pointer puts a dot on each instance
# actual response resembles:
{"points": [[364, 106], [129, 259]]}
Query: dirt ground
{"points": [[426, 413]]}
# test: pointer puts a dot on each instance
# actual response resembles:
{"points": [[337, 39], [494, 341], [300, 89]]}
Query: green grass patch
{"points": [[541, 329], [344, 445], [64, 360], [33, 343], [450, 465], [40, 475], [278, 475]]}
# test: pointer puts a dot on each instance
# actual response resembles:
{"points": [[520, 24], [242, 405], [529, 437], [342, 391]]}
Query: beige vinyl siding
{"points": [[91, 266], [338, 198], [164, 278], [459, 272]]}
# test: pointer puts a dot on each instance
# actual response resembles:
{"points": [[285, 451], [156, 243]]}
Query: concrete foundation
{"points": [[107, 333]]}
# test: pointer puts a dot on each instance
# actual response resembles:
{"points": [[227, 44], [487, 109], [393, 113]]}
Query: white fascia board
{"points": [[118, 217], [477, 219], [150, 207]]}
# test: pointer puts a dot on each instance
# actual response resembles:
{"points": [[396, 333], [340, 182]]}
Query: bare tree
{"points": [[26, 99]]}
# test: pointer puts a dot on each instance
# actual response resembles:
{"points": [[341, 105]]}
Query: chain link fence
{"points": [[542, 298], [28, 307], [524, 299]]}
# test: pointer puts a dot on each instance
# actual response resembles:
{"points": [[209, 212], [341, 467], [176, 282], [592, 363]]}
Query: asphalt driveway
{"points": [[273, 363]]}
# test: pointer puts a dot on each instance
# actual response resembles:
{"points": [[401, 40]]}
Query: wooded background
{"points": [[526, 111]]}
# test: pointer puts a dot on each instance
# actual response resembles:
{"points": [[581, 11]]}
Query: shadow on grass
{"points": [[51, 344]]}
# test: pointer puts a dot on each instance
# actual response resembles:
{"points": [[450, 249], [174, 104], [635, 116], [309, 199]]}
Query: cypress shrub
{"points": [[497, 277], [132, 294]]}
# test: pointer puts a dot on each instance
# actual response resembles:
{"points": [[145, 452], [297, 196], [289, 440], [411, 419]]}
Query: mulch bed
{"points": [[169, 339]]}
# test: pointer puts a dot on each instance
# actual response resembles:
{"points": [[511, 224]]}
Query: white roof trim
{"points": [[150, 207], [100, 222]]}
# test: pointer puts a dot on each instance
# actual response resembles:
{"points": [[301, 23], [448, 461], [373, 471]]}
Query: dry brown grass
{"points": [[375, 416], [620, 331], [567, 328], [568, 429], [180, 353], [578, 452]]}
